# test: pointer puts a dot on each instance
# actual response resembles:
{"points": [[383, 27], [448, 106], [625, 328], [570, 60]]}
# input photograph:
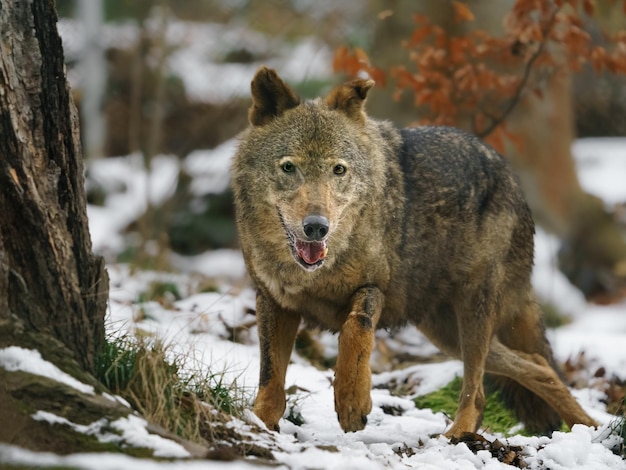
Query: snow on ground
{"points": [[130, 430], [106, 461], [201, 322], [602, 167], [15, 358]]}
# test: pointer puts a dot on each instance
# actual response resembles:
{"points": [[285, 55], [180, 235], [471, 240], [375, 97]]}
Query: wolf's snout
{"points": [[315, 227]]}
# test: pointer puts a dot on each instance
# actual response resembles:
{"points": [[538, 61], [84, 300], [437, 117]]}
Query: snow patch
{"points": [[132, 431], [15, 358]]}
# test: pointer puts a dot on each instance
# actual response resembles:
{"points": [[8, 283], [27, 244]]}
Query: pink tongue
{"points": [[310, 252]]}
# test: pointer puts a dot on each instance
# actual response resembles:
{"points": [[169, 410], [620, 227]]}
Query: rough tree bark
{"points": [[50, 281]]}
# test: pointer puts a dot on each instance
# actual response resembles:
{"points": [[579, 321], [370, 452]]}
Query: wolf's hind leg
{"points": [[353, 376], [535, 373], [474, 339], [524, 331], [277, 334]]}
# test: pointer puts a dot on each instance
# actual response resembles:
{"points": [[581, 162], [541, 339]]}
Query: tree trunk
{"points": [[50, 281]]}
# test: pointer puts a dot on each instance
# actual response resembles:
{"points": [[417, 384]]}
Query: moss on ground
{"points": [[497, 418]]}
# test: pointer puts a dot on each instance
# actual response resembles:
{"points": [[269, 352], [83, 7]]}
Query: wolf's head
{"points": [[305, 169]]}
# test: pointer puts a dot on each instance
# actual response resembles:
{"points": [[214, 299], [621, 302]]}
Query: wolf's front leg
{"points": [[353, 377], [277, 334]]}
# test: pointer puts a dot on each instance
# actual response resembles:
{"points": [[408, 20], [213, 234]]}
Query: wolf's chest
{"points": [[320, 304]]}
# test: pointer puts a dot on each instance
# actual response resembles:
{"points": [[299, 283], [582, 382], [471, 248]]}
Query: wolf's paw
{"points": [[269, 417], [351, 420], [456, 433], [352, 408], [464, 423], [269, 406]]}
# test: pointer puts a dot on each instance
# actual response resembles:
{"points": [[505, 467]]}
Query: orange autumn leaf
{"points": [[423, 18], [339, 59], [361, 55], [462, 12], [352, 63], [496, 140], [378, 75], [589, 6], [598, 58], [419, 35]]}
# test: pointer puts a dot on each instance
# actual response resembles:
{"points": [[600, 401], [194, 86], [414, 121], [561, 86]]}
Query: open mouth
{"points": [[311, 252], [310, 255]]}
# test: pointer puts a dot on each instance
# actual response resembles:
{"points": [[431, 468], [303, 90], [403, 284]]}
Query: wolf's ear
{"points": [[271, 97], [349, 98]]}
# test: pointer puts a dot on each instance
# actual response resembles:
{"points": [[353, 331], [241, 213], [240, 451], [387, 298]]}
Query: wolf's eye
{"points": [[339, 170], [288, 167]]}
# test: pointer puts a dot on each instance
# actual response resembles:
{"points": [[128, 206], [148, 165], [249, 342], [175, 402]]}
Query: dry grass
{"points": [[158, 384]]}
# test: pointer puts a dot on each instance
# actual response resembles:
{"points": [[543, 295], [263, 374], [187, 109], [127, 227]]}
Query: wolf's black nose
{"points": [[315, 227]]}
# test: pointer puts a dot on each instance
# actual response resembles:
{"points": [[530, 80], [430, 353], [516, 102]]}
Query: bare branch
{"points": [[525, 78]]}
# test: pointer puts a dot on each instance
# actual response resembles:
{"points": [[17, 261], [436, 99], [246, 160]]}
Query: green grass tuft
{"points": [[497, 418], [115, 365], [158, 291], [145, 373]]}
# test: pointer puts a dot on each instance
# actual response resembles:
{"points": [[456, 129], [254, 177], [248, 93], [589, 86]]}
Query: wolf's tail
{"points": [[526, 333]]}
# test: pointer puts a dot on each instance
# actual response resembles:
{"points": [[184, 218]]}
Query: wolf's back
{"points": [[453, 167], [464, 209]]}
